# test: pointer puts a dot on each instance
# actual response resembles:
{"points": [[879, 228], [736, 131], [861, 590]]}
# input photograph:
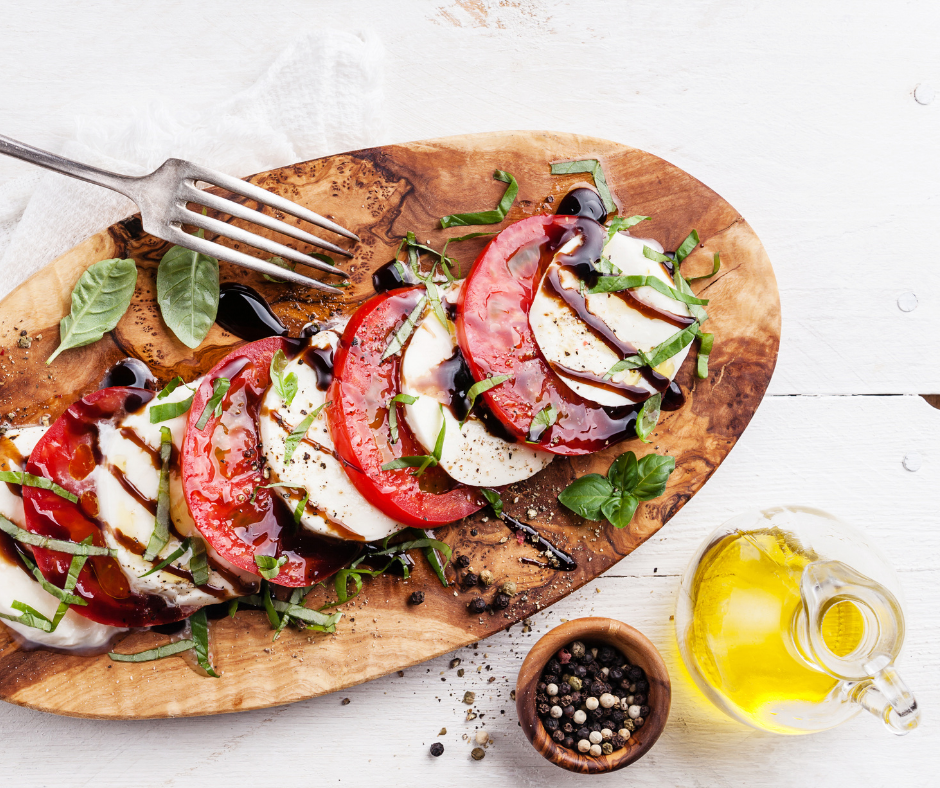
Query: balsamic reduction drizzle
{"points": [[673, 397], [392, 275], [244, 313], [557, 559], [129, 372], [583, 202], [320, 360]]}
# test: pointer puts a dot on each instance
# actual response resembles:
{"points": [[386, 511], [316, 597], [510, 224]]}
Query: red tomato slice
{"points": [[67, 454], [222, 477], [495, 337], [358, 414]]}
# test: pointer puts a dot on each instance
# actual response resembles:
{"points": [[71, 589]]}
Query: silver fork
{"points": [[162, 197]]}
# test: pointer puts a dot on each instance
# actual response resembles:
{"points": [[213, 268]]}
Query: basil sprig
{"points": [[281, 613], [284, 385], [616, 496], [99, 300], [188, 292], [663, 351], [614, 284], [161, 525], [29, 480], [542, 420], [405, 399], [648, 417], [479, 387], [292, 441], [269, 567], [214, 406], [592, 166], [421, 461], [487, 217], [47, 543]]}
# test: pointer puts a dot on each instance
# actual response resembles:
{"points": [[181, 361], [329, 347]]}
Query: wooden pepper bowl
{"points": [[638, 650]]}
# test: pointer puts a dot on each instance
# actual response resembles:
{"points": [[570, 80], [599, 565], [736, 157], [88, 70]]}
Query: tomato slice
{"points": [[358, 415], [495, 338], [222, 472], [67, 454]]}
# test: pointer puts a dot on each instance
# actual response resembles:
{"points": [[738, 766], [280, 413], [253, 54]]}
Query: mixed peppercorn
{"points": [[591, 699]]}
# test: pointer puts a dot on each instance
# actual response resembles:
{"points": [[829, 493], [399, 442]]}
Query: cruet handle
{"points": [[888, 698]]}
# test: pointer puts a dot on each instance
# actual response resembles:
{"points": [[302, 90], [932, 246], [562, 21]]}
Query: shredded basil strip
{"points": [[704, 351], [404, 330], [269, 566], [716, 267], [284, 385], [405, 399], [59, 545], [161, 652], [614, 284], [29, 480], [292, 441], [170, 410], [75, 569], [177, 553], [161, 525], [61, 594], [445, 259], [198, 561], [623, 223], [433, 555], [592, 166], [683, 287], [479, 387], [648, 417], [653, 358], [29, 617], [199, 626], [268, 603], [494, 499], [542, 420], [412, 461], [686, 247], [170, 387], [487, 217], [421, 461], [219, 388]]}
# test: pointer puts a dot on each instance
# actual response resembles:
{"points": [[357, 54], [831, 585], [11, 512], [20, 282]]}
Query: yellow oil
{"points": [[745, 597]]}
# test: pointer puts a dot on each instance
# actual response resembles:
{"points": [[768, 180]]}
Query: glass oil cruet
{"points": [[788, 620]]}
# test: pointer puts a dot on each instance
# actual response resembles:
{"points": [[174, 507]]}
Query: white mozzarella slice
{"points": [[74, 632], [471, 455], [566, 340], [335, 507], [127, 523]]}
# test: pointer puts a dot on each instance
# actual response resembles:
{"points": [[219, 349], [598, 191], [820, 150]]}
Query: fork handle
{"points": [[74, 169]]}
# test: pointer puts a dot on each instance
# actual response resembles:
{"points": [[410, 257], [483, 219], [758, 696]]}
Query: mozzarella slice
{"points": [[335, 507], [126, 484], [565, 340], [74, 632], [471, 454]]}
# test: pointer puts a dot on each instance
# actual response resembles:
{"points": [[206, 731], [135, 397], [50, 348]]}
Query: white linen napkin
{"points": [[321, 95]]}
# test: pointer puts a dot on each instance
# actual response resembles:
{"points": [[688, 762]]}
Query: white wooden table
{"points": [[802, 115]]}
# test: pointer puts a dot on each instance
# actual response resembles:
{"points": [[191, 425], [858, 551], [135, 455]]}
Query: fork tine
{"points": [[269, 198], [240, 211], [177, 236], [257, 241]]}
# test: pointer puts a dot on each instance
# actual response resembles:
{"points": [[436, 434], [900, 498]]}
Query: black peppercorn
{"points": [[437, 749], [543, 709], [564, 700], [553, 666], [605, 655], [568, 727], [462, 561], [541, 698], [470, 579], [595, 726], [587, 658], [598, 689], [417, 598], [615, 675], [477, 605], [644, 711], [617, 741], [564, 688], [579, 670], [558, 736], [568, 711], [576, 698], [635, 673], [551, 678], [583, 732], [609, 724], [541, 686], [501, 601], [551, 724], [617, 716], [625, 684], [642, 686], [639, 699], [569, 742]]}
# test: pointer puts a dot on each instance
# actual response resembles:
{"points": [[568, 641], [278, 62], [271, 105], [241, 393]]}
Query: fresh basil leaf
{"points": [[220, 387], [29, 617], [586, 496], [671, 346], [487, 217], [653, 473], [648, 417], [176, 554], [170, 410], [619, 510], [301, 506], [622, 473], [198, 561], [705, 342], [170, 387], [401, 335], [614, 284], [100, 298], [621, 223], [285, 386], [292, 441], [161, 525], [281, 263], [433, 555], [630, 362], [269, 566], [232, 607], [59, 545], [405, 399], [494, 500], [592, 166], [188, 293], [416, 461], [686, 247], [161, 652], [716, 267], [199, 626], [605, 267], [61, 594], [29, 480], [479, 387], [542, 420]]}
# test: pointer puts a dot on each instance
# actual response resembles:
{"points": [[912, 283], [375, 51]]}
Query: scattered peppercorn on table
{"points": [[816, 135]]}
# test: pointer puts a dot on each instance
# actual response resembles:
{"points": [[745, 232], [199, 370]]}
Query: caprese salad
{"points": [[296, 459]]}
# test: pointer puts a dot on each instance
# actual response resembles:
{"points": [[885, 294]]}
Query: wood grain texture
{"points": [[638, 650], [380, 193]]}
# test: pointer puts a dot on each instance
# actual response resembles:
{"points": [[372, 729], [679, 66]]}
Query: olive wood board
{"points": [[380, 194]]}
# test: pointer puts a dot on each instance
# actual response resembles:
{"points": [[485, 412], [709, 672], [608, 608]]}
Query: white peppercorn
{"points": [[625, 704], [605, 671], [607, 734], [556, 711], [607, 700], [592, 703], [633, 712], [551, 689], [579, 717], [596, 737], [595, 750], [624, 733], [584, 745]]}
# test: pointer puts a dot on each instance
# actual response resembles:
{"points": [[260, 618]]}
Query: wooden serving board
{"points": [[381, 193]]}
